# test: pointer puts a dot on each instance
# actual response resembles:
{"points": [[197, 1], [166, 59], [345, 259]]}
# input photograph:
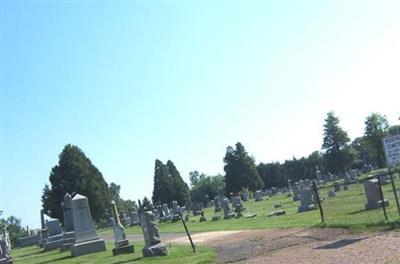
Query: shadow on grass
{"points": [[340, 243], [128, 261], [31, 254]]}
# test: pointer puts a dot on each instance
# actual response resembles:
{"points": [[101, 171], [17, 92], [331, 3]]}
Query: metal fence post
{"points": [[382, 198], [394, 191], [319, 202]]}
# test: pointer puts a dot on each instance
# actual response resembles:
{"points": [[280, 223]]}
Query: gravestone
{"points": [[134, 217], [296, 192], [166, 213], [68, 236], [237, 204], [331, 194], [217, 205], [373, 195], [202, 217], [196, 209], [160, 213], [336, 185], [345, 187], [245, 196], [5, 247], [121, 243], [55, 237], [306, 200], [43, 230], [86, 239], [153, 246], [258, 196], [175, 210], [225, 206]]}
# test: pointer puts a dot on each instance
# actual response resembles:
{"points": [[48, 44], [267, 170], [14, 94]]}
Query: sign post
{"points": [[391, 144]]}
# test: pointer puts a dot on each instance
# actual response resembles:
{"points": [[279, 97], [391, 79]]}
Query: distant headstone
{"points": [[331, 194], [5, 247], [277, 213], [55, 239], [217, 205], [122, 245], [202, 217], [306, 200], [373, 195], [336, 185], [43, 230], [176, 209], [68, 236], [225, 206], [166, 213], [134, 218], [86, 239], [296, 192], [237, 204], [258, 196], [245, 196], [153, 246]]}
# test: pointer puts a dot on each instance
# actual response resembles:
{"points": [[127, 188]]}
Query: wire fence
{"points": [[355, 202]]}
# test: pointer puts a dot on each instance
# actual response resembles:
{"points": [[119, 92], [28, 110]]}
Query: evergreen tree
{"points": [[394, 130], [163, 190], [376, 127], [75, 174], [339, 155], [240, 170], [181, 188], [204, 188]]}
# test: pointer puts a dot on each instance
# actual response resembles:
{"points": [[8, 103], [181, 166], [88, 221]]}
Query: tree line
{"points": [[75, 172]]}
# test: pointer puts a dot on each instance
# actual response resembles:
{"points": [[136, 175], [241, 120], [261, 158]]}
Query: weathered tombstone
{"points": [[166, 213], [237, 204], [245, 196], [5, 247], [153, 246], [196, 209], [331, 194], [336, 185], [160, 211], [296, 192], [306, 200], [258, 196], [202, 217], [123, 219], [121, 243], [55, 237], [68, 238], [43, 230], [134, 217], [277, 213], [373, 195], [217, 205], [86, 239], [225, 206], [175, 210], [345, 187], [320, 179]]}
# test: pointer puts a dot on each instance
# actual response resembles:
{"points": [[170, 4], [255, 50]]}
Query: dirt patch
{"points": [[300, 245]]}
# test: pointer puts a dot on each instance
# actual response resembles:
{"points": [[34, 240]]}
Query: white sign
{"points": [[392, 149]]}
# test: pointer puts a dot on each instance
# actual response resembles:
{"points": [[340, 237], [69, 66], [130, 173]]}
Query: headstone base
{"points": [[125, 249], [376, 205], [53, 242], [306, 208], [229, 215], [88, 247], [154, 251]]}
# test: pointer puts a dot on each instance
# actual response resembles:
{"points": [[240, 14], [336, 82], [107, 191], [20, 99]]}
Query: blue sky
{"points": [[129, 82]]}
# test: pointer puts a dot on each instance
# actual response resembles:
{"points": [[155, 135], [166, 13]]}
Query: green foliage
{"points": [[394, 130], [75, 174], [14, 228], [339, 156], [205, 188], [147, 203], [169, 185], [240, 170], [376, 127]]}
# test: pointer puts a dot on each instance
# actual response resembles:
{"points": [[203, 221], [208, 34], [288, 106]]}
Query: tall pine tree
{"points": [[339, 155], [75, 173], [376, 127], [240, 170]]}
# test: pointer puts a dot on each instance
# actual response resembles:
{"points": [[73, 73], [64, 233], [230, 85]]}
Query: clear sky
{"points": [[132, 81]]}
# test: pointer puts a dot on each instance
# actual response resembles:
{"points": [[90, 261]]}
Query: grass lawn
{"points": [[176, 254], [346, 210]]}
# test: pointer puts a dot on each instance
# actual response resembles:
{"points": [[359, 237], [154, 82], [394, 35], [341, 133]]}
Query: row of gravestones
{"points": [[5, 247], [80, 237]]}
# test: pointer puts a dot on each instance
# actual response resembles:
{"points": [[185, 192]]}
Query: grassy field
{"points": [[346, 210], [177, 254]]}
